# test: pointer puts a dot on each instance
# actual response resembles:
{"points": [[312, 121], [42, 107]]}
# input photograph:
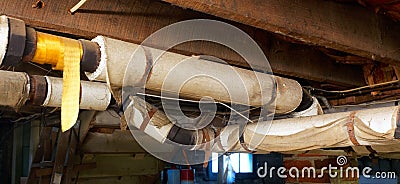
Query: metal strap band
{"points": [[147, 119], [38, 90], [350, 129]]}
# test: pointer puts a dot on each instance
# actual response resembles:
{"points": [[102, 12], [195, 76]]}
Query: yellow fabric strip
{"points": [[63, 54], [48, 49], [71, 84]]}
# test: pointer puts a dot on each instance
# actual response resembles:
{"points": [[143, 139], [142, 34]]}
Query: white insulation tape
{"points": [[4, 29], [94, 95]]}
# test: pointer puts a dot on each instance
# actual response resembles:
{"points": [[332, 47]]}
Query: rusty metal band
{"points": [[90, 57], [16, 42], [350, 129], [147, 119], [38, 90], [30, 45]]}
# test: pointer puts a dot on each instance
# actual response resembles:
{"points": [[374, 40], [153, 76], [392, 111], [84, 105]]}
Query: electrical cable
{"points": [[355, 91]]}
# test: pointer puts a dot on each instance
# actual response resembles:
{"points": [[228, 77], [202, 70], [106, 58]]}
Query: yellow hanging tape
{"points": [[63, 54], [71, 83]]}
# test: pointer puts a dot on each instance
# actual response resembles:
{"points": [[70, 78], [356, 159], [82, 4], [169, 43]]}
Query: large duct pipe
{"points": [[370, 127], [235, 85], [16, 88]]}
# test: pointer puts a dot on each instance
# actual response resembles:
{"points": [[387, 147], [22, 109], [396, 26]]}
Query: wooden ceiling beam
{"points": [[134, 20], [345, 27]]}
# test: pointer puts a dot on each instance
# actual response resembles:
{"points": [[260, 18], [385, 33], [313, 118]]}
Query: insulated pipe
{"points": [[378, 126], [314, 109], [16, 88], [156, 124], [62, 53], [148, 119], [19, 43], [94, 96], [371, 127], [116, 54]]}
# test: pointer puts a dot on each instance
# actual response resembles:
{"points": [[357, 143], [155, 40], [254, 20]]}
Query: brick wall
{"points": [[318, 162]]}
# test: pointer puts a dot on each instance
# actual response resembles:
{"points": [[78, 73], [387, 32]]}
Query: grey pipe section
{"points": [[16, 88]]}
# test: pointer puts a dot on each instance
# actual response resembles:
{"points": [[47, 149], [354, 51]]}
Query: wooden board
{"points": [[120, 165], [117, 142], [60, 157], [134, 20], [346, 27]]}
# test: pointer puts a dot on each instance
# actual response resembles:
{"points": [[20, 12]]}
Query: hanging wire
{"points": [[194, 101]]}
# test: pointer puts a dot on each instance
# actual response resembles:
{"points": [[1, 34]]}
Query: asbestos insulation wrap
{"points": [[4, 31], [14, 88], [371, 127], [94, 96], [155, 124], [232, 85], [314, 109]]}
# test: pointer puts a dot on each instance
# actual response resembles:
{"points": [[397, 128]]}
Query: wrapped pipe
{"points": [[13, 37], [17, 88], [94, 96], [370, 127], [314, 109], [244, 84], [379, 126], [156, 124], [20, 43], [62, 53]]}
